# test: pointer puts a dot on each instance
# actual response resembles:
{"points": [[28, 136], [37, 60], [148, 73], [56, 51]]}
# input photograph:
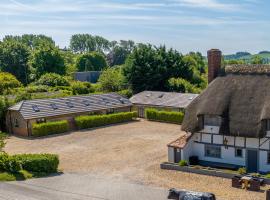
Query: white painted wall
{"points": [[211, 129], [239, 141], [263, 165], [252, 143], [187, 151], [171, 154], [218, 139], [206, 138]]}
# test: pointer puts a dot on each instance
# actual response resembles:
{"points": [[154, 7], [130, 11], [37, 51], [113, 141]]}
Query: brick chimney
{"points": [[214, 63]]}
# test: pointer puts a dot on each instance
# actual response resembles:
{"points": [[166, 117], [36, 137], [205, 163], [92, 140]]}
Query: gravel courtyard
{"points": [[130, 151]]}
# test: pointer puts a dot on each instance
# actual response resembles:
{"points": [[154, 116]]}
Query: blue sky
{"points": [[186, 25]]}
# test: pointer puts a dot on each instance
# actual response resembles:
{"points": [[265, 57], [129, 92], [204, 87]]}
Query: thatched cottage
{"points": [[24, 114], [169, 101], [228, 124]]}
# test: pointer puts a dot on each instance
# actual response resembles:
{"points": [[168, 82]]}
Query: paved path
{"points": [[78, 187]]}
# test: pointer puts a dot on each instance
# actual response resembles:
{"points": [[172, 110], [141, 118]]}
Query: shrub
{"points": [[242, 170], [52, 80], [100, 120], [182, 85], [126, 93], [267, 176], [183, 163], [5, 176], [8, 81], [165, 116], [9, 163], [50, 128], [79, 87], [45, 163]]}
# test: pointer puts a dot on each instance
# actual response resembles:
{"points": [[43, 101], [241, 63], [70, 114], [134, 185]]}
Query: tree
{"points": [[45, 59], [82, 43], [13, 59], [257, 60], [112, 80], [182, 85], [150, 68], [52, 80], [93, 61], [120, 52], [30, 40], [79, 87], [7, 82]]}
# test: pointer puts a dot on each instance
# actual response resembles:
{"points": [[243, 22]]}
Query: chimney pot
{"points": [[214, 63]]}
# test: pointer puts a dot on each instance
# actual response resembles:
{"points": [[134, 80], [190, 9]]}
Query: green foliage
{"points": [[165, 116], [242, 170], [182, 85], [50, 128], [47, 163], [79, 87], [111, 80], [92, 61], [5, 103], [150, 68], [9, 163], [8, 82], [126, 93], [267, 176], [183, 163], [80, 43], [30, 40], [3, 136], [45, 59], [52, 80], [13, 59], [257, 60], [23, 175], [91, 121], [5, 176]]}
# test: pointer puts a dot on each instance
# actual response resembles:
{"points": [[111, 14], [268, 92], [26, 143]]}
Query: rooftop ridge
{"points": [[248, 69]]}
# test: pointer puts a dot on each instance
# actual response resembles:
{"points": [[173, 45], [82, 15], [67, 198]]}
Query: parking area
{"points": [[130, 151]]}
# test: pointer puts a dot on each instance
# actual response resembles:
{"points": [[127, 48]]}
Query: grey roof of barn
{"points": [[38, 108], [163, 99], [241, 97]]}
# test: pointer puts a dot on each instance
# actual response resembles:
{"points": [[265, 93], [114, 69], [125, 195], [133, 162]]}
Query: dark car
{"points": [[189, 195]]}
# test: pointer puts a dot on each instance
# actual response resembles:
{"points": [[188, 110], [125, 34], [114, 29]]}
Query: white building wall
{"points": [[239, 141], [206, 138], [170, 154], [211, 129], [218, 139], [252, 143], [187, 151]]}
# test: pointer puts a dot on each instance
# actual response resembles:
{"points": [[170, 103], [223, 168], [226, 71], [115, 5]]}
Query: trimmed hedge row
{"points": [[45, 163], [91, 121], [50, 128], [165, 116]]}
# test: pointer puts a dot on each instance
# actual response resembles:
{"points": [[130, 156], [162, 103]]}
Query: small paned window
{"points": [[16, 123], [268, 157], [213, 151], [238, 152], [35, 108]]}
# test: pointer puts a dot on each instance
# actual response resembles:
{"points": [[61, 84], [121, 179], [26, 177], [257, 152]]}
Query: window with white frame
{"points": [[213, 151]]}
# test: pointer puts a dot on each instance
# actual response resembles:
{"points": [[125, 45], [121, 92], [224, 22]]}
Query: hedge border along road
{"points": [[164, 116], [50, 128], [91, 121]]}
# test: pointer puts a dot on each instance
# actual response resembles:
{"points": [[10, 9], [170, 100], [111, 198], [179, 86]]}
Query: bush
{"points": [[126, 93], [42, 163], [242, 170], [83, 122], [79, 87], [182, 85], [52, 80], [8, 82], [9, 164], [50, 128], [165, 116], [183, 163], [5, 176]]}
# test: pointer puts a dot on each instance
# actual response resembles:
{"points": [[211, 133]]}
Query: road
{"points": [[73, 186]]}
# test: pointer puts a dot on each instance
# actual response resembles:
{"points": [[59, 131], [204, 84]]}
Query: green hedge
{"points": [[50, 128], [165, 116], [91, 121], [45, 163]]}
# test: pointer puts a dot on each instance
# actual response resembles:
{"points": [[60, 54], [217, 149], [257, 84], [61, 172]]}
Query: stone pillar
{"points": [[214, 63]]}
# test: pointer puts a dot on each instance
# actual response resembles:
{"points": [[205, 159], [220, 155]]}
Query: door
{"points": [[141, 112], [177, 155], [252, 160]]}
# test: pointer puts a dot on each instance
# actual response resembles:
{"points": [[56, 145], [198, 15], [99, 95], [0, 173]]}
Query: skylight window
{"points": [[85, 102], [54, 106], [69, 104], [35, 108]]}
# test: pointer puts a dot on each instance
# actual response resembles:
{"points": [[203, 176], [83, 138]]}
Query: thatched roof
{"points": [[243, 99]]}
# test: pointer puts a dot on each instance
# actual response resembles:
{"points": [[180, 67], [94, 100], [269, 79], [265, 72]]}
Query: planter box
{"points": [[208, 172]]}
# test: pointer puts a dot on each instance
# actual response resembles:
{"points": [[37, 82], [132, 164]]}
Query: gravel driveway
{"points": [[130, 151]]}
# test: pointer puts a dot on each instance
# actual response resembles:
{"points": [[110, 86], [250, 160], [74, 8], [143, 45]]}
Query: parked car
{"points": [[189, 195]]}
